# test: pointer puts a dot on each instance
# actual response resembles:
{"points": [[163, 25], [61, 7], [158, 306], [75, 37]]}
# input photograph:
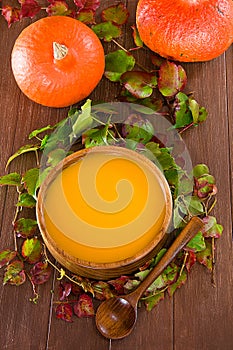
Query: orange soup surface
{"points": [[105, 207]]}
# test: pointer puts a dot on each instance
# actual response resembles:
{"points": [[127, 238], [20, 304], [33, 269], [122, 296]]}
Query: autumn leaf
{"points": [[197, 243], [87, 4], [117, 63], [119, 283], [102, 290], [25, 228], [172, 79], [30, 180], [26, 200], [32, 250], [29, 8], [86, 16], [191, 259], [152, 301], [14, 273], [6, 256], [40, 272], [65, 289], [107, 31], [117, 14], [84, 307], [11, 14], [64, 312], [139, 84], [136, 37], [12, 179], [58, 8], [205, 257], [180, 281]]}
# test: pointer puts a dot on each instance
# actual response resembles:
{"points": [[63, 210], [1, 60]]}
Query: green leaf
{"points": [[205, 257], [86, 16], [83, 122], [211, 227], [97, 137], [200, 170], [58, 8], [180, 281], [6, 256], [194, 107], [195, 206], [202, 114], [197, 243], [107, 31], [117, 14], [36, 132], [136, 37], [32, 250], [157, 284], [30, 180], [165, 159], [182, 113], [22, 150], [14, 273], [25, 227], [152, 301], [13, 179], [138, 129], [117, 63], [26, 200], [139, 84], [172, 79], [55, 156]]}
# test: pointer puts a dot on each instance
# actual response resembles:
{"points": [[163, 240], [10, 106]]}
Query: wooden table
{"points": [[199, 316]]}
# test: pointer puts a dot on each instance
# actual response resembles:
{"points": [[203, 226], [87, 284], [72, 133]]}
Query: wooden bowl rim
{"points": [[74, 157]]}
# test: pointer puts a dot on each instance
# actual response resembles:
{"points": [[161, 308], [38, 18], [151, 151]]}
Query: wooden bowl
{"points": [[119, 249]]}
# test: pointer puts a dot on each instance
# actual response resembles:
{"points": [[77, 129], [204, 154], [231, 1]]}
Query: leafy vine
{"points": [[160, 90]]}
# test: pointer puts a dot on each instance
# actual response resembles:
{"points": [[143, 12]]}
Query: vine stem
{"points": [[127, 51], [14, 220], [62, 272], [213, 279]]}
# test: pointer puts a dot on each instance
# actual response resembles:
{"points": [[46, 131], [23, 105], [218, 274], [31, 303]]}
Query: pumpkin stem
{"points": [[59, 51]]}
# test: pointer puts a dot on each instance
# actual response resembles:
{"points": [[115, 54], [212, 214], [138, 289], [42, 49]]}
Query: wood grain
{"points": [[199, 316]]}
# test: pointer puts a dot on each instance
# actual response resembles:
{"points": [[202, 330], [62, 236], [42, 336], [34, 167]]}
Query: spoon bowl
{"points": [[120, 322], [116, 317]]}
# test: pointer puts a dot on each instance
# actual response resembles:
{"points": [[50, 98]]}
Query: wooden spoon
{"points": [[116, 317]]}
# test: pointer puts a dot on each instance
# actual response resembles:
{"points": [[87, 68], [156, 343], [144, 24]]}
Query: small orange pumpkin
{"points": [[57, 61], [186, 30]]}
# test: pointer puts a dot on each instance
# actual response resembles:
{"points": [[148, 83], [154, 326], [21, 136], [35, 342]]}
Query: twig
{"points": [[127, 51]]}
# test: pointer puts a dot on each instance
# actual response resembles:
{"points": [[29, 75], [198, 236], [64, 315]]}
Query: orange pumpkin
{"points": [[186, 30], [57, 61]]}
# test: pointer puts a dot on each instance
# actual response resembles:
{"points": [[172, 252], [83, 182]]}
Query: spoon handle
{"points": [[190, 230]]}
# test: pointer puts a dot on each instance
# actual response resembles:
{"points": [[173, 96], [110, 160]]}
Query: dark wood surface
{"points": [[199, 316]]}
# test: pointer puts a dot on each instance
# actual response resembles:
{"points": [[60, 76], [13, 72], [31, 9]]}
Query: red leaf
{"points": [[29, 8], [64, 312], [172, 78], [6, 256], [64, 290], [190, 260], [119, 283], [11, 14], [84, 307], [102, 290], [87, 4], [40, 273]]}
